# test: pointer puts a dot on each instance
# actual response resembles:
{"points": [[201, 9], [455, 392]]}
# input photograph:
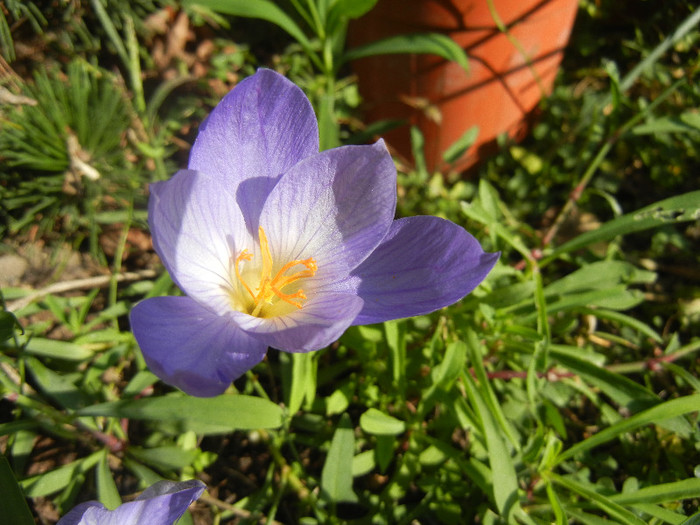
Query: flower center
{"points": [[269, 290]]}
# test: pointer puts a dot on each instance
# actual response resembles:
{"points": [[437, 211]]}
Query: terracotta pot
{"points": [[509, 72]]}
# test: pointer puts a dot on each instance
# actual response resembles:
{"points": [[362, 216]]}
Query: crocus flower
{"points": [[278, 245], [161, 504]]}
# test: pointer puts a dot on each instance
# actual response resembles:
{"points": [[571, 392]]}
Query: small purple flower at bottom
{"points": [[162, 503], [277, 245]]}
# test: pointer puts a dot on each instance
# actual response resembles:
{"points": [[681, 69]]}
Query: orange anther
{"points": [[271, 287]]}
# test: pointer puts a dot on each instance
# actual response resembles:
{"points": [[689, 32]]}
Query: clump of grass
{"points": [[66, 150]]}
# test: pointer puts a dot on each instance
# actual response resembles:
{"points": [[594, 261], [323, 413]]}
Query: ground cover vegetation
{"points": [[564, 389]]}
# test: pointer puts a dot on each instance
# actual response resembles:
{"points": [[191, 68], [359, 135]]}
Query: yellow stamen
{"points": [[271, 287]]}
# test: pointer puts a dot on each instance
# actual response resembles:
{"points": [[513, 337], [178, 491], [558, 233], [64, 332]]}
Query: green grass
{"points": [[563, 390]]}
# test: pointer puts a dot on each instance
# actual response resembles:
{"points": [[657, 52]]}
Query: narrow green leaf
{"points": [[444, 375], [395, 338], [336, 477], [142, 380], [559, 514], [147, 476], [602, 502], [352, 8], [213, 415], [165, 458], [664, 125], [504, 478], [623, 319], [63, 350], [8, 325], [662, 493], [56, 386], [262, 9], [328, 127], [344, 10], [693, 520], [460, 146], [13, 506], [623, 390], [303, 381], [674, 210], [111, 31], [17, 426], [489, 396], [58, 479], [378, 423], [489, 199], [106, 487], [660, 513], [600, 275], [670, 409], [585, 518], [451, 366], [419, 43]]}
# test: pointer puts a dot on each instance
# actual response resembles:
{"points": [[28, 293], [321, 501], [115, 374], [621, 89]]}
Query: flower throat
{"points": [[271, 287]]}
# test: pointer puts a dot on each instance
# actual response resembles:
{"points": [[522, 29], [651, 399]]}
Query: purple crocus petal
{"points": [[80, 514], [423, 264], [322, 321], [161, 504], [263, 127], [336, 207], [196, 228], [191, 347]]}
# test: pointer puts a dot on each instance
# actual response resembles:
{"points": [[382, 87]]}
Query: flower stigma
{"points": [[269, 289]]}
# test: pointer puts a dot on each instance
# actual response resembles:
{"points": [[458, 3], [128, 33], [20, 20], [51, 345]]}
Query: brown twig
{"points": [[241, 513], [99, 281]]}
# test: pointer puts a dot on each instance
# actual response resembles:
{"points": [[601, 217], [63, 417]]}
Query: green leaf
{"points": [[693, 520], [659, 512], [378, 423], [328, 127], [352, 8], [13, 507], [56, 386], [336, 477], [344, 10], [488, 395], [674, 210], [303, 380], [602, 502], [600, 275], [623, 319], [623, 390], [666, 125], [460, 146], [661, 493], [213, 415], [396, 340], [419, 43], [142, 380], [165, 458], [504, 478], [106, 488], [60, 478], [451, 366], [8, 324], [559, 514], [363, 463], [63, 350], [670, 409], [262, 9]]}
